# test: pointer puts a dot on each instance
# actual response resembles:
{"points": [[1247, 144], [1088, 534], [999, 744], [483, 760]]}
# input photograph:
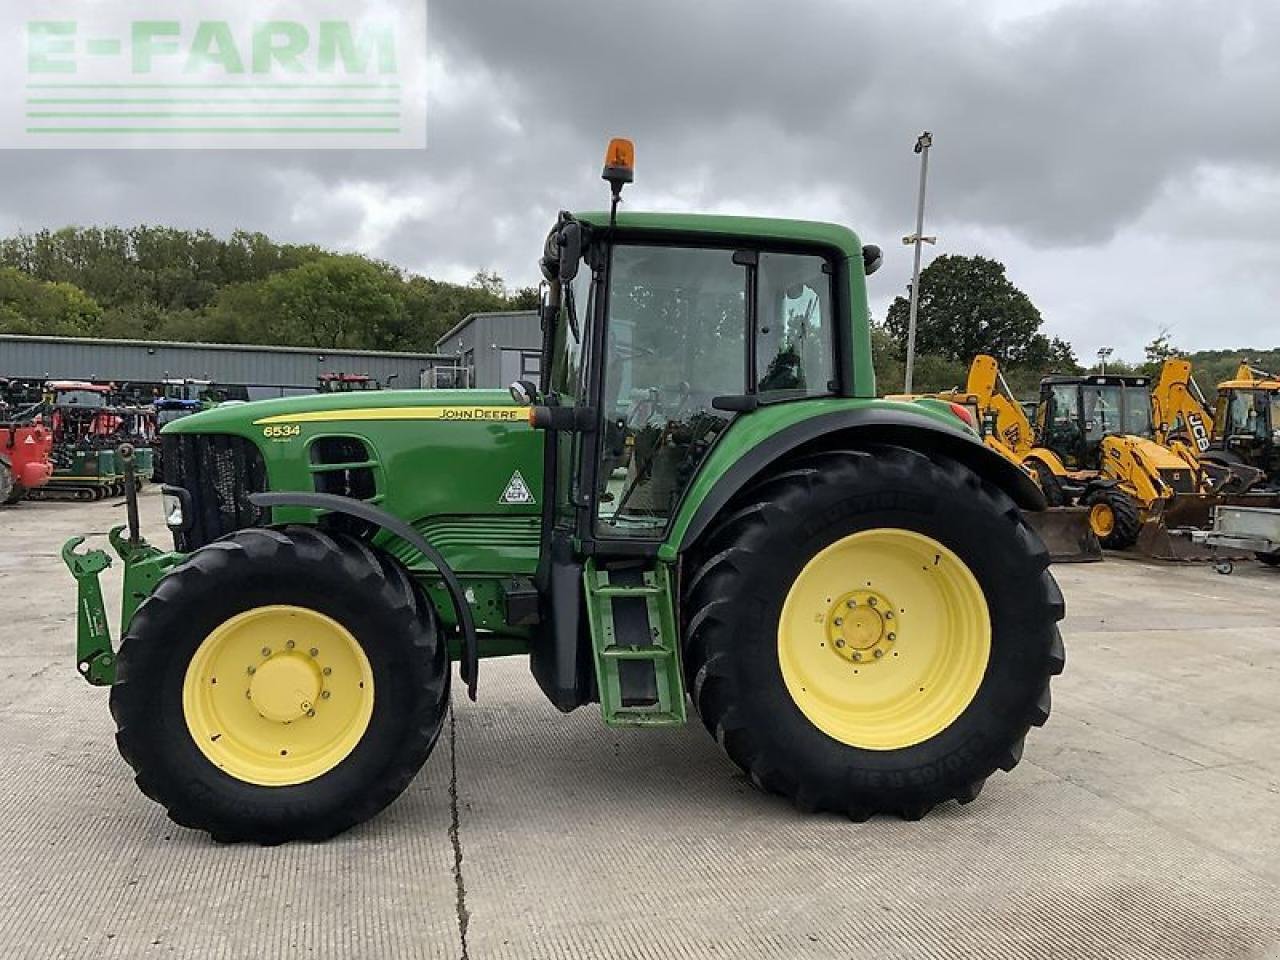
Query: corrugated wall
{"points": [[488, 334], [136, 360]]}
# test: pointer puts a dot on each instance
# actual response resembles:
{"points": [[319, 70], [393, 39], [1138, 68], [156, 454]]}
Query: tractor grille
{"points": [[1180, 480], [219, 472]]}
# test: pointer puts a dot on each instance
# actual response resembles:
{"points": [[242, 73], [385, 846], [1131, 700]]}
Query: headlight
{"points": [[172, 511]]}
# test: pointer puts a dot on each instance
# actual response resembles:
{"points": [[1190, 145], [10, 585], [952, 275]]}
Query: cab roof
{"points": [[1096, 380], [704, 225]]}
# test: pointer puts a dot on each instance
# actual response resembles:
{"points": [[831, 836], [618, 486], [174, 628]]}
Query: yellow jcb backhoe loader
{"points": [[1246, 429], [1092, 445], [1184, 422]]}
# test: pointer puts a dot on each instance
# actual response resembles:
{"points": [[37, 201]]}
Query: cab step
{"points": [[631, 613]]}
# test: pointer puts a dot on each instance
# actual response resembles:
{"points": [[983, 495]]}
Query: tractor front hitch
{"points": [[95, 657], [144, 566]]}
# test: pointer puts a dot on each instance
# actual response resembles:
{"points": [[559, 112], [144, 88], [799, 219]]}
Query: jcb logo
{"points": [[1199, 432]]}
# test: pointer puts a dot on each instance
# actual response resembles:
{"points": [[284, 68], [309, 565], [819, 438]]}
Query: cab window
{"points": [[676, 339], [794, 344]]}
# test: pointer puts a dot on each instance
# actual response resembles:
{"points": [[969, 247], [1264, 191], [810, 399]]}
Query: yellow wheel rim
{"points": [[1102, 519], [278, 695], [884, 639]]}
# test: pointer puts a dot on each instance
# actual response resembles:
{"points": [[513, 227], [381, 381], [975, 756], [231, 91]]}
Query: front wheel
{"points": [[872, 631], [280, 685], [1114, 518]]}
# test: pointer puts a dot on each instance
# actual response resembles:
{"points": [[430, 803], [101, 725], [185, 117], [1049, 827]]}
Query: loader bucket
{"points": [[1067, 534], [1163, 535]]}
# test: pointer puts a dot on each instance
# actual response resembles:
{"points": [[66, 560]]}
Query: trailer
{"points": [[1255, 529]]}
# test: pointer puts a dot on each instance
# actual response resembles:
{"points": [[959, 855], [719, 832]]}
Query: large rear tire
{"points": [[872, 631], [280, 685]]}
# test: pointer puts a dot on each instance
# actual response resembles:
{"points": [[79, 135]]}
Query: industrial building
{"points": [[495, 349], [241, 371]]}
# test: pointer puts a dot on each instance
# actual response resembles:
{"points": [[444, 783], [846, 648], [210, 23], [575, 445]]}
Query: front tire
{"points": [[280, 685], [773, 625], [1114, 518]]}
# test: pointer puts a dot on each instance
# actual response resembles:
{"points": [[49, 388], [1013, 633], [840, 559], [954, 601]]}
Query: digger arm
{"points": [[1175, 398], [987, 386]]}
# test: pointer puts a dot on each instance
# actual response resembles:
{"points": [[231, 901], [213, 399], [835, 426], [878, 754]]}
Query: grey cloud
{"points": [[1086, 129]]}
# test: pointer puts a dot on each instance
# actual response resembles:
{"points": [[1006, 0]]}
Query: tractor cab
{"points": [[1248, 419], [1075, 414]]}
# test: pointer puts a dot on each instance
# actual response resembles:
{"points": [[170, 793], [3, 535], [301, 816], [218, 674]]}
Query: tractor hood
{"points": [[462, 466], [365, 405]]}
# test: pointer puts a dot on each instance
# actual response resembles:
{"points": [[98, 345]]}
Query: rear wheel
{"points": [[7, 485], [280, 685], [1114, 518], [872, 632]]}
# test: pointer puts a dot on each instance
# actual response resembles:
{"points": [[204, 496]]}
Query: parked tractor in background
{"points": [[84, 429], [138, 428], [347, 382], [702, 498], [26, 446]]}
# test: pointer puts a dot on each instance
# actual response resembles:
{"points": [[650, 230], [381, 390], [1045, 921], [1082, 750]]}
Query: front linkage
{"points": [[144, 566]]}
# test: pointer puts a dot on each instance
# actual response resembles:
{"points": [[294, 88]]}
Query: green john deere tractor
{"points": [[703, 499]]}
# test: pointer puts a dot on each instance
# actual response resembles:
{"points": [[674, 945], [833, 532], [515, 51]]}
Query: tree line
{"points": [[159, 283]]}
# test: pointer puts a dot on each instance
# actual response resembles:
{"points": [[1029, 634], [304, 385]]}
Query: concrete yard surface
{"points": [[1143, 822]]}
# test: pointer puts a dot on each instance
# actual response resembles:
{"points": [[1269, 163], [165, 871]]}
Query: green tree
{"points": [[968, 306], [35, 307]]}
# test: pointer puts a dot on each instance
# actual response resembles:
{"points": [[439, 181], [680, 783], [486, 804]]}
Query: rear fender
{"points": [[860, 427]]}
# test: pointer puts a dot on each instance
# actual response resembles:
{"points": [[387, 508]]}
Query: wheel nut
{"points": [[311, 713], [888, 614], [839, 643], [266, 651], [252, 669], [857, 655], [327, 670], [879, 654], [871, 601], [893, 637], [852, 603], [314, 652], [839, 621], [290, 644], [324, 694]]}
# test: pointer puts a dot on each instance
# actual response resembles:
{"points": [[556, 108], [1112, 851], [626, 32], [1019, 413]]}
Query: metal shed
{"points": [[263, 371], [494, 349]]}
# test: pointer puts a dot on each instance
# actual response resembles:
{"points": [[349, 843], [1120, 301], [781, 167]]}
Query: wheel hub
{"points": [[861, 626], [286, 687], [278, 695]]}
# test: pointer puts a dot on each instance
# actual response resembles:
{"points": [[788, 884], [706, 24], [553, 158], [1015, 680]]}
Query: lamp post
{"points": [[923, 143], [1103, 354]]}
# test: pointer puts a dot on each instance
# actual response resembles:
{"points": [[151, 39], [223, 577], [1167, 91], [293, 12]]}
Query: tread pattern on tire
{"points": [[712, 573], [1128, 519], [382, 583]]}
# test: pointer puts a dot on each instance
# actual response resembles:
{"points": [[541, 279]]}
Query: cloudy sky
{"points": [[1121, 157]]}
